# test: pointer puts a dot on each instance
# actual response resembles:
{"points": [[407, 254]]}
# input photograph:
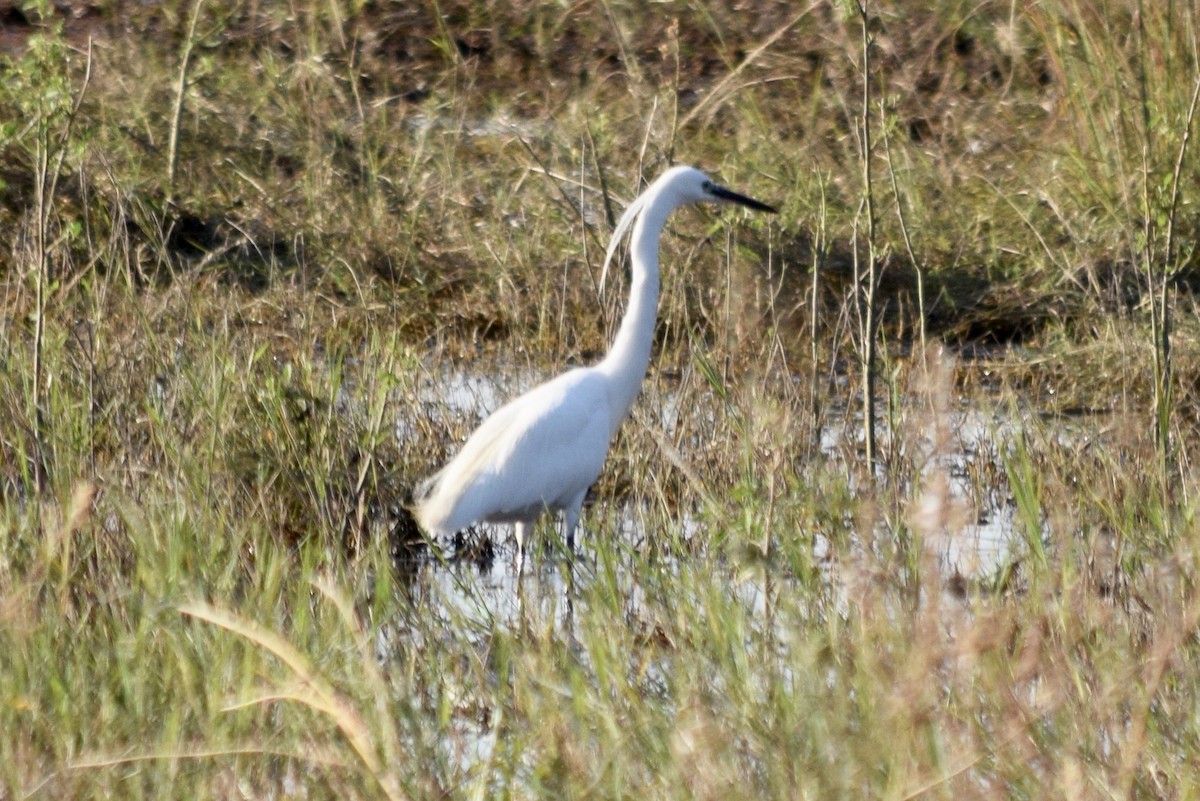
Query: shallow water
{"points": [[474, 597], [978, 544], [969, 526]]}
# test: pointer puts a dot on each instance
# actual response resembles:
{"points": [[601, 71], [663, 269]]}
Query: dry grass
{"points": [[224, 370]]}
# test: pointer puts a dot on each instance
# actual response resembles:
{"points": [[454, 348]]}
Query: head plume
{"points": [[627, 220]]}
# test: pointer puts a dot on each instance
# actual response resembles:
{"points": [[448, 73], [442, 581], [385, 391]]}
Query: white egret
{"points": [[541, 451]]}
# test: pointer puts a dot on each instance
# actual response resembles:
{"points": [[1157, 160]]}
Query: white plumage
{"points": [[544, 449]]}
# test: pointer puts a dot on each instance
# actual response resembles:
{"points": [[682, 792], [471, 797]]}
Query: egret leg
{"points": [[522, 529], [572, 520]]}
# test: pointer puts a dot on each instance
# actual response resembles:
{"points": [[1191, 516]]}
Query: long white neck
{"points": [[627, 359]]}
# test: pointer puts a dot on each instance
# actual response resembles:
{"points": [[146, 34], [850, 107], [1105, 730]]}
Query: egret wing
{"points": [[542, 450]]}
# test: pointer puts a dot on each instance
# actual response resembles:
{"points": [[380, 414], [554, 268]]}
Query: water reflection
{"points": [[967, 525], [960, 507]]}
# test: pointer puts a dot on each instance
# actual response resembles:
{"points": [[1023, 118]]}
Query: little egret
{"points": [[543, 450]]}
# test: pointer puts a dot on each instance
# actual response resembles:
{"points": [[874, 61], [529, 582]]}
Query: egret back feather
{"points": [[566, 417]]}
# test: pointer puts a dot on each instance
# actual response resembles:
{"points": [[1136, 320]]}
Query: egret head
{"points": [[688, 185], [676, 187]]}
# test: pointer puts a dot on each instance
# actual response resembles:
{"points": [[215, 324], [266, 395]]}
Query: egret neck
{"points": [[627, 359]]}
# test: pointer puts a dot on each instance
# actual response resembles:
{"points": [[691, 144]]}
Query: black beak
{"points": [[733, 197]]}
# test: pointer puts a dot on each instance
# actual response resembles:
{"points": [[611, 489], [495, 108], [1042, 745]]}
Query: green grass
{"points": [[218, 391]]}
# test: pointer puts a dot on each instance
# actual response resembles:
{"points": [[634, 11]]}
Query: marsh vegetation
{"points": [[267, 264]]}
